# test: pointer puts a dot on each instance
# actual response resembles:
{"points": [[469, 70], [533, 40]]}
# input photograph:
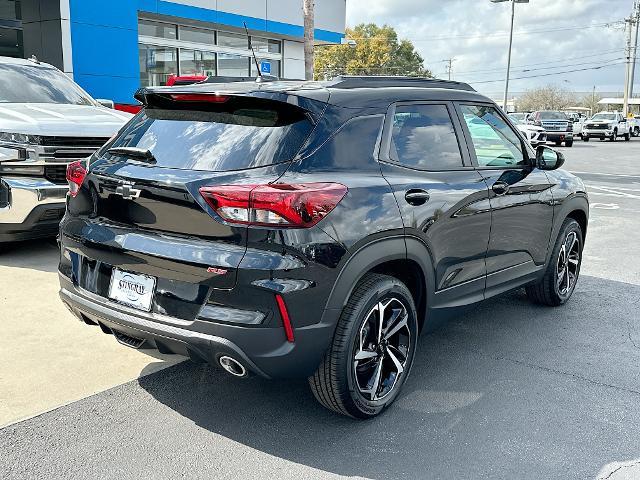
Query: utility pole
{"points": [[513, 14], [309, 25], [628, 27], [634, 48], [449, 66]]}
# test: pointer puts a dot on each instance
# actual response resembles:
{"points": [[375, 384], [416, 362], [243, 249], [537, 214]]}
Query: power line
{"points": [[551, 74], [600, 54], [567, 65]]}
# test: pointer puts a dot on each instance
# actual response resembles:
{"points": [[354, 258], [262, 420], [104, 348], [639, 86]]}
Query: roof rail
{"points": [[355, 81]]}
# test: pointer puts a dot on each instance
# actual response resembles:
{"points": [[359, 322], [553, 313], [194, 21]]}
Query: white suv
{"points": [[46, 122]]}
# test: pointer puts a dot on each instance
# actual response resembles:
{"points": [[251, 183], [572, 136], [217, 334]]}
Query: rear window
{"points": [[231, 136]]}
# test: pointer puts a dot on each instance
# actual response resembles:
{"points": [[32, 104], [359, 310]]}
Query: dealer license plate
{"points": [[133, 289]]}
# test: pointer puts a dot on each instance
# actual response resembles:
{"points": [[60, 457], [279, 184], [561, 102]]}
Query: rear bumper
{"points": [[262, 350], [30, 207]]}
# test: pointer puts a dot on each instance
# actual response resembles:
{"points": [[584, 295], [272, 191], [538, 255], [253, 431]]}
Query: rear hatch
{"points": [[146, 215]]}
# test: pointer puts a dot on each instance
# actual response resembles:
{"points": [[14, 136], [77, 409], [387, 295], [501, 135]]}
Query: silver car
{"points": [[46, 122]]}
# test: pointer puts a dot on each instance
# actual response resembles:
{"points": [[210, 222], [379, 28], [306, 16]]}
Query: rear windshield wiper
{"points": [[141, 154]]}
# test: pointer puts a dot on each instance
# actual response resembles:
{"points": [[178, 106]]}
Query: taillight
{"points": [[299, 205], [75, 176]]}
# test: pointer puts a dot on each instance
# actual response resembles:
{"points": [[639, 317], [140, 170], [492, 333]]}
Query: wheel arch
{"points": [[404, 258], [576, 207]]}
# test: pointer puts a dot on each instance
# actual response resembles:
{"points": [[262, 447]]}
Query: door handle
{"points": [[500, 188], [416, 197]]}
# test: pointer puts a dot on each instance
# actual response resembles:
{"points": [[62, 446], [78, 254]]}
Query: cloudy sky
{"points": [[550, 36]]}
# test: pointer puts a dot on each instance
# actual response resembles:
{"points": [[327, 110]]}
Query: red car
{"points": [[184, 79]]}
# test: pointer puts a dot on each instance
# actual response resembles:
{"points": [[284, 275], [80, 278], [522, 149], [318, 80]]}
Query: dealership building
{"points": [[112, 47]]}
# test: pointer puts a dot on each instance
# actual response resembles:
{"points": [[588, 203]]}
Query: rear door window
{"points": [[232, 136], [424, 137]]}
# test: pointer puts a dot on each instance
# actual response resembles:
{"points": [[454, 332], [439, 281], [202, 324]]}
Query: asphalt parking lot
{"points": [[506, 389]]}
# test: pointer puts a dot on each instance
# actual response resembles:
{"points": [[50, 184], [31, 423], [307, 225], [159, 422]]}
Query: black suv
{"points": [[295, 229]]}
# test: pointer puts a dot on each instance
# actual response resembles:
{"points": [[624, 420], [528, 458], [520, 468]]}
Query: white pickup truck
{"points": [[46, 122], [634, 125], [607, 125]]}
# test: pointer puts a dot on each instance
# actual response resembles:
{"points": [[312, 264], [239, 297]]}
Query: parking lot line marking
{"points": [[604, 174], [612, 191]]}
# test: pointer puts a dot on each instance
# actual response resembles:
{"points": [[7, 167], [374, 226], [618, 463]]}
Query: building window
{"points": [[233, 40], [265, 45], [189, 50], [10, 10], [197, 35], [195, 62], [156, 64], [147, 28], [11, 43], [233, 65]]}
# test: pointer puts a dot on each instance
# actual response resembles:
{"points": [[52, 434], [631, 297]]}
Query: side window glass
{"points": [[423, 137], [495, 143]]}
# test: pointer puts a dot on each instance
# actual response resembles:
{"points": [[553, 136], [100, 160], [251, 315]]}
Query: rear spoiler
{"points": [[248, 96]]}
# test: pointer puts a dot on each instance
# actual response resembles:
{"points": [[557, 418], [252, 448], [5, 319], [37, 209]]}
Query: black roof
{"points": [[352, 81], [346, 91]]}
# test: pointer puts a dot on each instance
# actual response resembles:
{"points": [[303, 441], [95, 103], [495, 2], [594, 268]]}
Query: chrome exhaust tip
{"points": [[232, 366]]}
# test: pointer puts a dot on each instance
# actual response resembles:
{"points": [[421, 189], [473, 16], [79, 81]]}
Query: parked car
{"points": [[607, 125], [46, 122], [557, 125], [185, 79], [577, 119], [634, 125], [298, 229], [535, 135]]}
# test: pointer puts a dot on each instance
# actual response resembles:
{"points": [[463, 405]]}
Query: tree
{"points": [[377, 52], [550, 97], [591, 101]]}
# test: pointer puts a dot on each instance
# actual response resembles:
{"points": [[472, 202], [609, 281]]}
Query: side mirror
{"points": [[548, 159], [106, 103]]}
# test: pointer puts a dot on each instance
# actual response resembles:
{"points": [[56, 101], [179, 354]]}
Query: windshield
{"points": [[552, 116], [517, 117], [26, 84], [604, 116]]}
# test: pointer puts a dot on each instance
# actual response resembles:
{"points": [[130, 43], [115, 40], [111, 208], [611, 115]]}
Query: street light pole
{"points": [[506, 83], [513, 14]]}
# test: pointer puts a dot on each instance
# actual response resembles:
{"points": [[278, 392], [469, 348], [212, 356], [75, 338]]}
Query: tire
{"points": [[614, 136], [347, 385], [568, 144], [552, 289], [585, 138], [627, 136], [636, 132], [558, 144]]}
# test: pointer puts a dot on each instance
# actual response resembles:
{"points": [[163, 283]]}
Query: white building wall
{"points": [[293, 65], [330, 14]]}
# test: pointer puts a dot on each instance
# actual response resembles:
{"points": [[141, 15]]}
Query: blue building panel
{"points": [[104, 36]]}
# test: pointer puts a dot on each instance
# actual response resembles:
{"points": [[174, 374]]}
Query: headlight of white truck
{"points": [[19, 138]]}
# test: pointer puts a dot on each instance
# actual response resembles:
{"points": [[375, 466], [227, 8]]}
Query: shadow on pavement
{"points": [[506, 390], [41, 254]]}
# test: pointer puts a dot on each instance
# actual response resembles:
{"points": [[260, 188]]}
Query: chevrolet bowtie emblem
{"points": [[127, 192]]}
